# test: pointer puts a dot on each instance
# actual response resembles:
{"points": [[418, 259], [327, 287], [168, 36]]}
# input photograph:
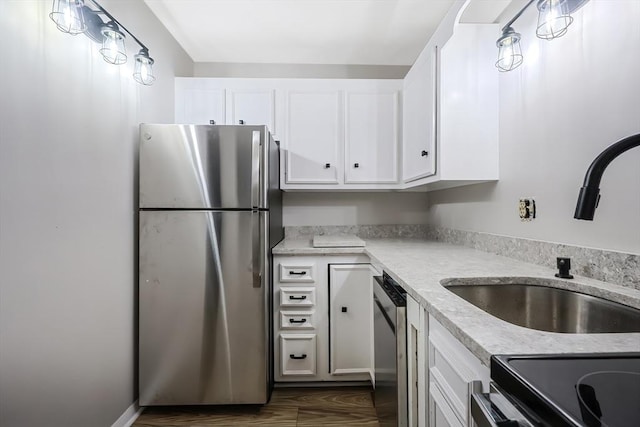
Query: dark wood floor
{"points": [[288, 408]]}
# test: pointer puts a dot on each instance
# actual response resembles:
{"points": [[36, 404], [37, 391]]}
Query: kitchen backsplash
{"points": [[362, 231], [609, 266]]}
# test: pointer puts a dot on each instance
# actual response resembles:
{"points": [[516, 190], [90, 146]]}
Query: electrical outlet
{"points": [[527, 208]]}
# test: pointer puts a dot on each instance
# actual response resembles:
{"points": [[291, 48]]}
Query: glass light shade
{"points": [[67, 15], [113, 45], [553, 19], [143, 69], [509, 52]]}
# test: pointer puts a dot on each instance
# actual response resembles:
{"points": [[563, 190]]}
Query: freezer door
{"points": [[203, 298], [200, 166]]}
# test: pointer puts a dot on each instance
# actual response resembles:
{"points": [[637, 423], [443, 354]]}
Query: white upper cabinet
{"points": [[199, 105], [334, 134], [226, 101], [313, 137], [252, 107], [469, 105], [371, 137], [450, 108], [419, 107]]}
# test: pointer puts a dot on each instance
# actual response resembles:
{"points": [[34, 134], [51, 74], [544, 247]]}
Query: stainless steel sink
{"points": [[550, 309]]}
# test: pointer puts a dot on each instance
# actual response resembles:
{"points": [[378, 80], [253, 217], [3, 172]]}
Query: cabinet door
{"points": [[252, 107], [313, 137], [351, 318], [420, 118], [371, 137], [417, 365], [441, 414], [199, 106]]}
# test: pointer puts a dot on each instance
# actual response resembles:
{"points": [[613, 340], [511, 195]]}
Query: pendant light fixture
{"points": [[554, 18], [75, 17], [113, 50], [143, 71], [509, 52], [67, 14]]}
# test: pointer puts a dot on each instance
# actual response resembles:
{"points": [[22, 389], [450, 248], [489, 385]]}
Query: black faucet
{"points": [[590, 191]]}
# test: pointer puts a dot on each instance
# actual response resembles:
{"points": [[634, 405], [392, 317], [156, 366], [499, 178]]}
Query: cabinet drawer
{"points": [[297, 273], [298, 354], [297, 297], [296, 320]]}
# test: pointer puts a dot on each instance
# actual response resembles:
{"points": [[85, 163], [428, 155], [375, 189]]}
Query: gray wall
{"points": [[315, 71], [67, 213], [354, 208], [571, 98]]}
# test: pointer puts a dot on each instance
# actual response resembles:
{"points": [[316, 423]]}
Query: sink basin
{"points": [[550, 309]]}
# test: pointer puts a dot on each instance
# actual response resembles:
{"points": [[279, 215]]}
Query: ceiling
{"points": [[374, 32]]}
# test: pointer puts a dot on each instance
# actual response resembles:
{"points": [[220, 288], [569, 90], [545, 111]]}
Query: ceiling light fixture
{"points": [[554, 18], [75, 17], [509, 52], [113, 44], [142, 72], [67, 14]]}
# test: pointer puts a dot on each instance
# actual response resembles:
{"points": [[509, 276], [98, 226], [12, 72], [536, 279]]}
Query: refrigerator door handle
{"points": [[257, 258], [255, 169]]}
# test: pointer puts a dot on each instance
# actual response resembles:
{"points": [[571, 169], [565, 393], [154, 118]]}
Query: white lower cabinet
{"points": [[454, 373], [351, 318], [417, 366], [315, 339]]}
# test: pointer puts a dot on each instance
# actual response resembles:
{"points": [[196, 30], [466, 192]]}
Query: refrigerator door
{"points": [[203, 323], [203, 167]]}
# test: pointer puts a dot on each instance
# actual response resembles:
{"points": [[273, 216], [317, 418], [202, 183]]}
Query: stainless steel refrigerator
{"points": [[210, 212]]}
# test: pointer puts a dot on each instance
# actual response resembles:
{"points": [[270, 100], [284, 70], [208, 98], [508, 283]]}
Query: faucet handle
{"points": [[564, 265]]}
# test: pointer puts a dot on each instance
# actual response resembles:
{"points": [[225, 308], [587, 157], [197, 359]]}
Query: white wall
{"points": [[571, 98], [353, 208], [68, 126]]}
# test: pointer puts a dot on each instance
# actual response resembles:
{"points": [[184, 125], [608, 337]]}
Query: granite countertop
{"points": [[420, 266]]}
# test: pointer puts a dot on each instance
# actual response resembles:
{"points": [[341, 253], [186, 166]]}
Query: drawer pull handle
{"points": [[344, 309], [293, 356], [327, 165], [297, 298], [297, 321], [297, 273]]}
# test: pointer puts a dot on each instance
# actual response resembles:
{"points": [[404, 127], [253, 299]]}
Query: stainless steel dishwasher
{"points": [[390, 351]]}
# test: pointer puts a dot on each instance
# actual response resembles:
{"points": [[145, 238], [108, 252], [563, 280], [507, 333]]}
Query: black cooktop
{"points": [[592, 390]]}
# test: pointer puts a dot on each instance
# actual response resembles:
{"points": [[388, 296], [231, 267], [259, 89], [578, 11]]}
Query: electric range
{"points": [[584, 390]]}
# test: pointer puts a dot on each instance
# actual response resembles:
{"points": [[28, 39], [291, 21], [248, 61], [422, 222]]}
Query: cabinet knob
{"points": [[424, 153], [240, 122], [327, 165], [356, 165], [344, 309], [212, 122]]}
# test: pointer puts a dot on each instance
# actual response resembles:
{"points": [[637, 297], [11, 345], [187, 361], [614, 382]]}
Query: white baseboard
{"points": [[129, 416]]}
